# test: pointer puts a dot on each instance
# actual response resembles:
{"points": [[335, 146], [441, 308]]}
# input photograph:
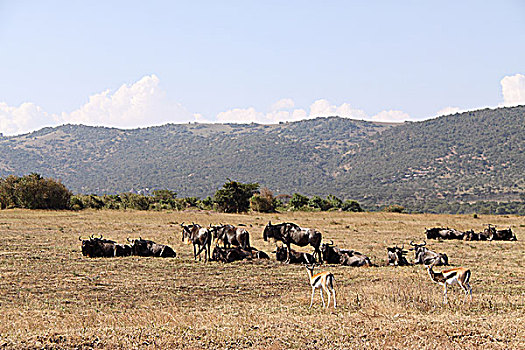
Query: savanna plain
{"points": [[51, 297]]}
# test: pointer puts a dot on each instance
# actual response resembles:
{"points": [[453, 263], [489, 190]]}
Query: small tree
{"points": [[234, 197], [263, 201], [350, 205], [33, 192], [298, 201], [319, 203]]}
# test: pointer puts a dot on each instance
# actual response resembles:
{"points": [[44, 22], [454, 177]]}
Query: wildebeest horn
{"points": [[412, 243], [79, 238], [129, 240], [424, 243], [331, 242], [182, 224], [92, 236]]}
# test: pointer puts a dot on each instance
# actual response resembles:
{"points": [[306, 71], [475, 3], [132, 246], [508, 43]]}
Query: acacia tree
{"points": [[234, 196]]}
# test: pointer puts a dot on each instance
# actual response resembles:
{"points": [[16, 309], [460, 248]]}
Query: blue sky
{"points": [[132, 63]]}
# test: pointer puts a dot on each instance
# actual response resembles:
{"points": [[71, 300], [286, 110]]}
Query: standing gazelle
{"points": [[324, 281], [457, 275]]}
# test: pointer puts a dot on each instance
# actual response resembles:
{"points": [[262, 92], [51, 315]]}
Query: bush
{"points": [[394, 208], [298, 201], [33, 192], [234, 197]]}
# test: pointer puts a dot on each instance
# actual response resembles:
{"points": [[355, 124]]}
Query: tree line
{"points": [[35, 192]]}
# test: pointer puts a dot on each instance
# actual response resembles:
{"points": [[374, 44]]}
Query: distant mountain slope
{"points": [[192, 159], [469, 156]]}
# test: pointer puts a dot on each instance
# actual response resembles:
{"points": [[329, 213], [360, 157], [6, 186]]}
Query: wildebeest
{"points": [[123, 250], [144, 247], [425, 256], [499, 235], [200, 238], [346, 257], [281, 254], [228, 255], [355, 259], [96, 247], [443, 233], [470, 235], [290, 233], [396, 256], [230, 235]]}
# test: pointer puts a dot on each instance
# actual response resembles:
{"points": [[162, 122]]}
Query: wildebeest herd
{"points": [[490, 233], [236, 246]]}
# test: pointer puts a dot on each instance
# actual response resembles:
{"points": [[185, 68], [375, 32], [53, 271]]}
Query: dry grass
{"points": [[52, 297]]}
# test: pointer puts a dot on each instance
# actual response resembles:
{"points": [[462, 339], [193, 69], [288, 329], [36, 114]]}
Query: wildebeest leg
{"points": [[317, 254], [288, 253]]}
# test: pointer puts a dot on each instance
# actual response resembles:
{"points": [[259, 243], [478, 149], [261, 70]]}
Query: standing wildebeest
{"points": [[443, 233], [499, 235], [144, 247], [200, 237], [396, 256], [290, 233], [425, 256], [96, 247], [230, 235], [281, 254]]}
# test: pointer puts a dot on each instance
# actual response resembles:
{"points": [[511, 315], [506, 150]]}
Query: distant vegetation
{"points": [[468, 162]]}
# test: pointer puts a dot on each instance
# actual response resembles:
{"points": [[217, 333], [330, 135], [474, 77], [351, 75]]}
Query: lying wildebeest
{"points": [[228, 255], [332, 254], [356, 259], [144, 247], [470, 235], [443, 233], [96, 247], [123, 250], [425, 256], [346, 257], [198, 236], [230, 235], [290, 233], [396, 256], [499, 235], [281, 254]]}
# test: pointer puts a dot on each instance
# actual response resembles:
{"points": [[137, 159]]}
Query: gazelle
{"points": [[324, 281], [457, 275]]}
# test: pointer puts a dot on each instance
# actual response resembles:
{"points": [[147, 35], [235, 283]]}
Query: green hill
{"points": [[464, 157]]}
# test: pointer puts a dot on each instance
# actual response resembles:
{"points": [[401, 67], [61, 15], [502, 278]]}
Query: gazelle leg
{"points": [[322, 297], [335, 303], [445, 301], [312, 299], [328, 293], [467, 289]]}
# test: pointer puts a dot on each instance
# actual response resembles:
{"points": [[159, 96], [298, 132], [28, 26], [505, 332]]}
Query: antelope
{"points": [[324, 281], [457, 275]]}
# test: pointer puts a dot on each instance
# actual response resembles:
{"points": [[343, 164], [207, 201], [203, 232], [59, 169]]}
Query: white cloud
{"points": [[449, 111], [240, 115], [285, 103], [319, 108], [513, 89], [25, 118], [143, 103], [390, 116]]}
